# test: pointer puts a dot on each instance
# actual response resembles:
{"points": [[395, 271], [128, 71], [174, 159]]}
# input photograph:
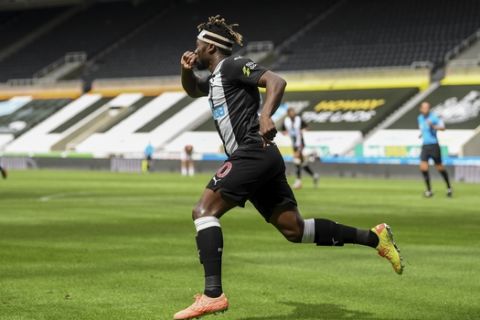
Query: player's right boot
{"points": [[3, 172], [203, 306], [297, 184], [428, 194], [449, 192], [387, 248]]}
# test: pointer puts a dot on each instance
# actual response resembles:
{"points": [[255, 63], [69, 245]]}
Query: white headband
{"points": [[215, 39]]}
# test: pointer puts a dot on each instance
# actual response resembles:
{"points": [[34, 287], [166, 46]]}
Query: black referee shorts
{"points": [[431, 151], [257, 174]]}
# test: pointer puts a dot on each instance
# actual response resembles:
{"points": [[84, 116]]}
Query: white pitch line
{"points": [[62, 195]]}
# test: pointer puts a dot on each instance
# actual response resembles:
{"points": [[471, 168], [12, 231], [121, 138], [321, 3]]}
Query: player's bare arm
{"points": [[189, 79], [275, 86]]}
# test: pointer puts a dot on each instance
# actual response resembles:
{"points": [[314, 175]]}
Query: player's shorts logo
{"points": [[224, 170]]}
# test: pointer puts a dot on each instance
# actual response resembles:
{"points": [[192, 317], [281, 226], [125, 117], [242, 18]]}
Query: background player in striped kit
{"points": [[293, 125]]}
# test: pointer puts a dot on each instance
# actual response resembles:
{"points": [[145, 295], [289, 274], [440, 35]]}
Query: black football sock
{"points": [[426, 177], [308, 170], [299, 171], [210, 247], [328, 233], [444, 174]]}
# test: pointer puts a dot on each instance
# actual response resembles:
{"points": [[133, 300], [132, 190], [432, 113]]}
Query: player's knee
{"points": [[200, 211], [196, 213], [293, 235]]}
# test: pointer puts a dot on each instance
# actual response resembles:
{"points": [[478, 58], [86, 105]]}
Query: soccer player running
{"points": [[429, 123], [293, 125], [255, 169]]}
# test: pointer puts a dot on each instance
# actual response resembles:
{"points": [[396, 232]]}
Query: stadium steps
{"points": [[130, 110], [86, 106], [182, 115], [184, 120], [103, 123], [167, 114], [101, 117], [123, 136], [47, 133]]}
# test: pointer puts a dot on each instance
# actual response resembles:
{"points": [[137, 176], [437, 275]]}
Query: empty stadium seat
{"points": [[375, 33]]}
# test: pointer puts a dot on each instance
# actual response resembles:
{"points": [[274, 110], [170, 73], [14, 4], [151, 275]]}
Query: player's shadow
{"points": [[323, 311]]}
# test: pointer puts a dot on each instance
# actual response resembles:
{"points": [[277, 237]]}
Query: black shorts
{"points": [[257, 174], [431, 151], [298, 148]]}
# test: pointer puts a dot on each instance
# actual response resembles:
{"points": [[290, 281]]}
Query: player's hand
{"points": [[188, 60], [267, 129]]}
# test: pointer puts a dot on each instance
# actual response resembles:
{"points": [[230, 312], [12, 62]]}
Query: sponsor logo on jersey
{"points": [[218, 111]]}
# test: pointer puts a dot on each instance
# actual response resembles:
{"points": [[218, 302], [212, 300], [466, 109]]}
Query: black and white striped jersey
{"points": [[235, 101], [294, 128]]}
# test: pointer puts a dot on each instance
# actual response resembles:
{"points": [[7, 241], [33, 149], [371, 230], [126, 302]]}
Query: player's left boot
{"points": [[4, 173], [387, 247], [449, 192], [428, 194], [316, 177], [297, 184], [203, 306]]}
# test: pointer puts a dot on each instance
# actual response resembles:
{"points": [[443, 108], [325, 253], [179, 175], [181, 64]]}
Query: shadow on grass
{"points": [[322, 311]]}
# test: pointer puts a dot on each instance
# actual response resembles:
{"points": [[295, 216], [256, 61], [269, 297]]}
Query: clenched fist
{"points": [[188, 60]]}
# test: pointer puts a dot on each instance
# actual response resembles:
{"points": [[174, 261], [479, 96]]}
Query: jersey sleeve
{"points": [[243, 70], [437, 121]]}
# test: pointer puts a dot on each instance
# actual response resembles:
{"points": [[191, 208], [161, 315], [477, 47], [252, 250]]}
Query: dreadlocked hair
{"points": [[218, 25]]}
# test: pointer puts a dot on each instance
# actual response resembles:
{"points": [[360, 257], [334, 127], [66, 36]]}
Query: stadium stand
{"points": [[342, 106], [42, 137], [374, 33], [103, 116], [90, 31], [13, 104], [459, 107], [156, 50], [123, 136], [17, 24], [30, 115]]}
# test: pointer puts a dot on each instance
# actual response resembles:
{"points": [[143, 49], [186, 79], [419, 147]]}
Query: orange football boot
{"points": [[203, 306]]}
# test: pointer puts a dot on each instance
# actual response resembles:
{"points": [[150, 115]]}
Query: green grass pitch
{"points": [[99, 245]]}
